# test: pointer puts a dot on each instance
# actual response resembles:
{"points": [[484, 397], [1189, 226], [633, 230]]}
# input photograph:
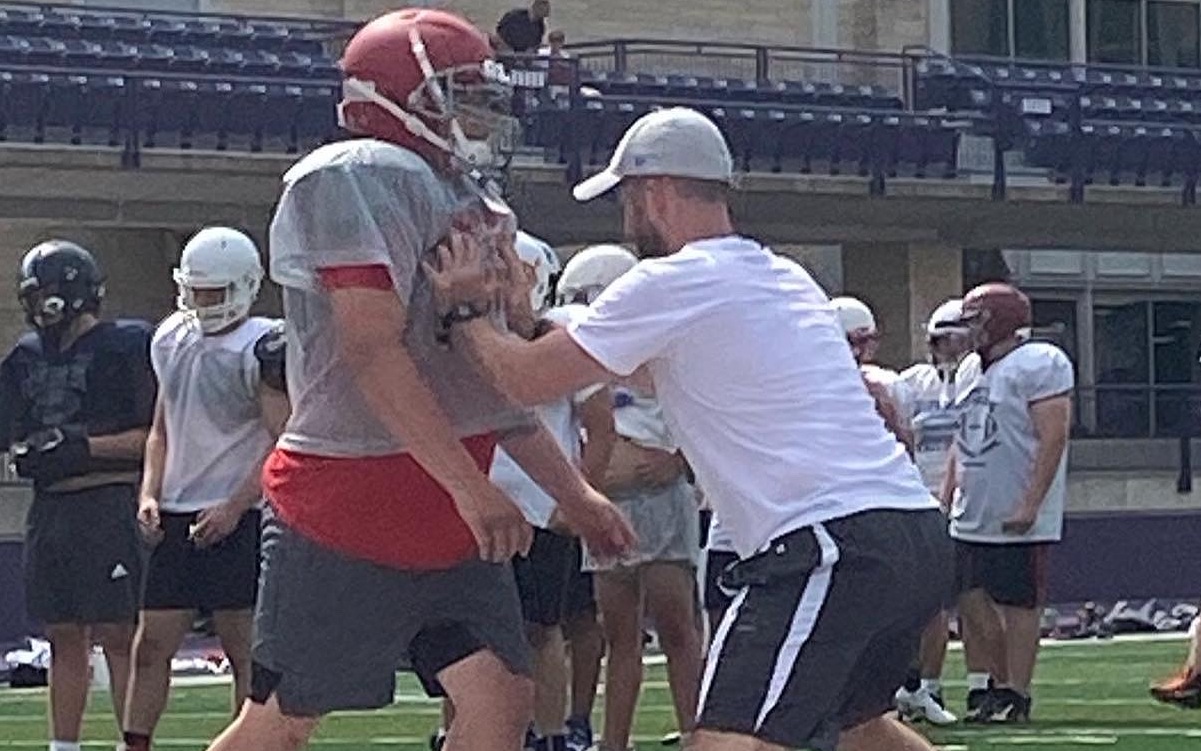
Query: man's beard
{"points": [[648, 242]]}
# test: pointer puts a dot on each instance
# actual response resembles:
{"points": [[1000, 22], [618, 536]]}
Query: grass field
{"points": [[1088, 695]]}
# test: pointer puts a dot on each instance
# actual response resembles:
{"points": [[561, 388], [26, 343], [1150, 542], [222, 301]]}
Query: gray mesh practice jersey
{"points": [[370, 203]]}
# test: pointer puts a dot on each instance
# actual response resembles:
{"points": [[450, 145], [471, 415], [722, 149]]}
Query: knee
{"points": [[677, 632], [260, 721]]}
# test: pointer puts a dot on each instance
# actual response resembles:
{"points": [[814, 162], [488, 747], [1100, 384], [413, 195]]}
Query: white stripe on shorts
{"points": [[813, 598], [719, 641]]}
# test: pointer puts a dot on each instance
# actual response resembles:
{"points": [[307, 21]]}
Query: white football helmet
{"points": [[856, 318], [947, 319], [546, 265], [590, 271], [219, 258]]}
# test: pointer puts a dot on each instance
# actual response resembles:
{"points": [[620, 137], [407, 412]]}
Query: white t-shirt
{"points": [[758, 386], [995, 445], [720, 540], [209, 388], [933, 419]]}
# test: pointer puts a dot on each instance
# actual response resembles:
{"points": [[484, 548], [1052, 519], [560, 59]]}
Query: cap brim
{"points": [[597, 185]]}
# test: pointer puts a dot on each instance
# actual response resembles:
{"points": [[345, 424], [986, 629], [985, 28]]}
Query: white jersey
{"points": [[933, 419], [209, 389], [995, 445], [639, 418], [562, 422], [757, 383], [561, 419]]}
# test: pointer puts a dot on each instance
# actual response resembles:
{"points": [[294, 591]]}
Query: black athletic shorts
{"points": [[824, 627], [715, 597], [224, 576], [544, 576], [1011, 574], [84, 557], [331, 630]]}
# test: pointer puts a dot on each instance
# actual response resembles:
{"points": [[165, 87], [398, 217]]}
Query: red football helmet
{"points": [[995, 312], [426, 80]]}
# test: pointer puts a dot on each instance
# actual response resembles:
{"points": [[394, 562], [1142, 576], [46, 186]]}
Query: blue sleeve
{"points": [[142, 385]]}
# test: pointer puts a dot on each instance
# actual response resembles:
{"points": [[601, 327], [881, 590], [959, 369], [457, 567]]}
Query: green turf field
{"points": [[1088, 696]]}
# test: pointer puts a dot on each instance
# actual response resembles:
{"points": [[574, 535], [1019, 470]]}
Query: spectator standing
{"points": [[522, 29]]}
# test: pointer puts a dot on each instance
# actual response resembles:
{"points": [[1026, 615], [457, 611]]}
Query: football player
{"points": [[1010, 486], [76, 399], [385, 543], [930, 386], [221, 405], [859, 324]]}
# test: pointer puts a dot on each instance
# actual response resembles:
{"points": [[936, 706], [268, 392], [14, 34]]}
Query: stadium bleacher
{"points": [[144, 80]]}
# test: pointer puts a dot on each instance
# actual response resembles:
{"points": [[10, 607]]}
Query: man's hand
{"points": [[215, 524], [463, 276], [658, 469], [52, 454], [498, 526], [602, 526], [1022, 520], [149, 521]]}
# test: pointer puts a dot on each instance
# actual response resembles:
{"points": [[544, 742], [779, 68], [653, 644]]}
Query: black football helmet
{"points": [[59, 281]]}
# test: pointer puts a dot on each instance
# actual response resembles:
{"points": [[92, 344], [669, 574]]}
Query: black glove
{"points": [[271, 350], [53, 454]]}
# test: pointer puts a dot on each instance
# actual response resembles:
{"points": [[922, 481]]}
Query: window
{"points": [[1164, 33], [1145, 354], [1172, 34], [1030, 29]]}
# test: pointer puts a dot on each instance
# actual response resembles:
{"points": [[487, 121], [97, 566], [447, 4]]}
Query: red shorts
{"points": [[385, 509]]}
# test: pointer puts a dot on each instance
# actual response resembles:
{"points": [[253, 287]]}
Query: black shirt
{"points": [[102, 382], [520, 31]]}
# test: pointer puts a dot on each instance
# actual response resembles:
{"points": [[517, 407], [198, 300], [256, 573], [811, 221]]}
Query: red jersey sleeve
{"points": [[375, 276]]}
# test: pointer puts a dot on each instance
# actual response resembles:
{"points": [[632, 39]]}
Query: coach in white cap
{"points": [[836, 533]]}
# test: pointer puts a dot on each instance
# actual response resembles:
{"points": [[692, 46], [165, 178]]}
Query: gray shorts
{"points": [[668, 526], [331, 630]]}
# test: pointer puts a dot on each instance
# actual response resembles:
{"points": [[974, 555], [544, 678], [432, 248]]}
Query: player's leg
{"points": [[980, 628], [70, 647], [235, 629], [670, 604], [1019, 588], [158, 638], [1184, 688], [542, 579], [492, 704], [550, 678], [619, 595], [586, 648], [169, 607], [264, 727], [230, 573], [883, 734]]}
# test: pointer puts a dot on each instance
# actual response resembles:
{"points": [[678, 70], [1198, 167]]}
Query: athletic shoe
{"points": [[1009, 707], [671, 739], [1182, 690], [923, 706], [437, 741], [579, 734], [979, 705]]}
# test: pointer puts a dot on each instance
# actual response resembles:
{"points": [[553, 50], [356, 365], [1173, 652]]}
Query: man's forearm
{"points": [[153, 464], [1046, 465], [389, 381], [544, 461], [130, 444], [503, 356]]}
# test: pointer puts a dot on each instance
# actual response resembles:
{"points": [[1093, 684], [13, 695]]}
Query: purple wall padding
{"points": [[1110, 557]]}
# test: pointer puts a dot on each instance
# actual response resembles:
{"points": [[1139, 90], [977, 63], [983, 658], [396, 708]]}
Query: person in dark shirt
{"points": [[76, 399], [522, 29]]}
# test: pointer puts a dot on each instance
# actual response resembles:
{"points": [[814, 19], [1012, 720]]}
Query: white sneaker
{"points": [[922, 705]]}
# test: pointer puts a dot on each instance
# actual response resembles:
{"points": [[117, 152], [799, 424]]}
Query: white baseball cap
{"points": [[674, 142]]}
